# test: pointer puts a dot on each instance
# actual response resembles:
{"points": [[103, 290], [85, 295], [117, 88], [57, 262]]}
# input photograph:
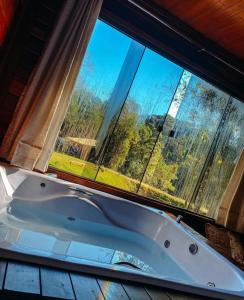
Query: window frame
{"points": [[162, 39]]}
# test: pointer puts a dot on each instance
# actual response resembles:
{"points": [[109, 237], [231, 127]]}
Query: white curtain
{"points": [[31, 136], [231, 210]]}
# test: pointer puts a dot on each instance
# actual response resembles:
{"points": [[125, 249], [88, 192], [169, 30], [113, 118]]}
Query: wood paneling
{"points": [[222, 21], [165, 33], [7, 11], [30, 30], [34, 21]]}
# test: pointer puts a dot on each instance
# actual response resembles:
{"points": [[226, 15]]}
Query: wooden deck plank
{"points": [[23, 281], [136, 292], [184, 296], [56, 284], [86, 287], [157, 294], [3, 265], [112, 290], [22, 278]]}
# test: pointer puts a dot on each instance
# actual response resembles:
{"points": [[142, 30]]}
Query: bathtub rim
{"points": [[193, 219], [108, 271], [166, 216]]}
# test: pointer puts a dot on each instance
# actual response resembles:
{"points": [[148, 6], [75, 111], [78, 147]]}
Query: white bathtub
{"points": [[50, 221]]}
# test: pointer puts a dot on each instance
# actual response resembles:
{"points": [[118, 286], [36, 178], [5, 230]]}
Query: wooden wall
{"points": [[222, 21], [33, 23], [7, 12], [177, 41], [24, 43]]}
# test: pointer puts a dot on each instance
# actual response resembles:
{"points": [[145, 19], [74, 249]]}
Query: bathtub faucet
{"points": [[179, 218]]}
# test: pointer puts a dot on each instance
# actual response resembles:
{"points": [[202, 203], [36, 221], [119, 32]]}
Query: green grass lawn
{"points": [[85, 169], [73, 165]]}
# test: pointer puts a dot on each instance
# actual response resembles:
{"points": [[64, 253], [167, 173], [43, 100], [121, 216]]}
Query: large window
{"points": [[141, 123]]}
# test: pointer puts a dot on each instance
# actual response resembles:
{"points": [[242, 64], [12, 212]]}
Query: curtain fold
{"points": [[231, 210], [31, 136]]}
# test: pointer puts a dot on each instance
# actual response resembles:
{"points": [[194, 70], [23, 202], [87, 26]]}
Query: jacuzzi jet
{"points": [[43, 184], [127, 264], [71, 218], [211, 284], [193, 248], [167, 244]]}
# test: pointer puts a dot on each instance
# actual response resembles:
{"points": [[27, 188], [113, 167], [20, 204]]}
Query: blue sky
{"points": [[155, 81], [156, 78], [103, 60]]}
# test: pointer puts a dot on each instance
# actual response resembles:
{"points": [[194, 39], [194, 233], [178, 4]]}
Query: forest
{"points": [[156, 153]]}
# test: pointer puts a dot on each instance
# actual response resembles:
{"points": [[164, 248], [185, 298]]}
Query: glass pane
{"points": [[76, 147], [183, 146], [229, 146], [141, 123], [136, 131]]}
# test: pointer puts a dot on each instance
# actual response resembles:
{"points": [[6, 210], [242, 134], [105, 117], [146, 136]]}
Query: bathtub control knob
{"points": [[179, 218], [193, 248]]}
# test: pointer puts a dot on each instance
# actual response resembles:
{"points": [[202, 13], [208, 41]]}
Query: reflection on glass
{"points": [[136, 131], [141, 123], [180, 153], [229, 146], [75, 149]]}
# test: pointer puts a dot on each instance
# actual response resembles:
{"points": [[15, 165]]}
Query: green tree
{"points": [[121, 137], [159, 173], [139, 153]]}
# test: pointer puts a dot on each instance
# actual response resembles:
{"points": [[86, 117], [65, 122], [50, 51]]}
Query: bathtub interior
{"points": [[53, 218]]}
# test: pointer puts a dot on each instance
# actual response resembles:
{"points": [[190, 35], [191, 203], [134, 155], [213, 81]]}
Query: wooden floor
{"points": [[26, 281]]}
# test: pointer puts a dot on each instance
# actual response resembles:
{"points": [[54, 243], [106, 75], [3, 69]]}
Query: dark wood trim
{"points": [[194, 37], [192, 219], [12, 39], [178, 42], [23, 48]]}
